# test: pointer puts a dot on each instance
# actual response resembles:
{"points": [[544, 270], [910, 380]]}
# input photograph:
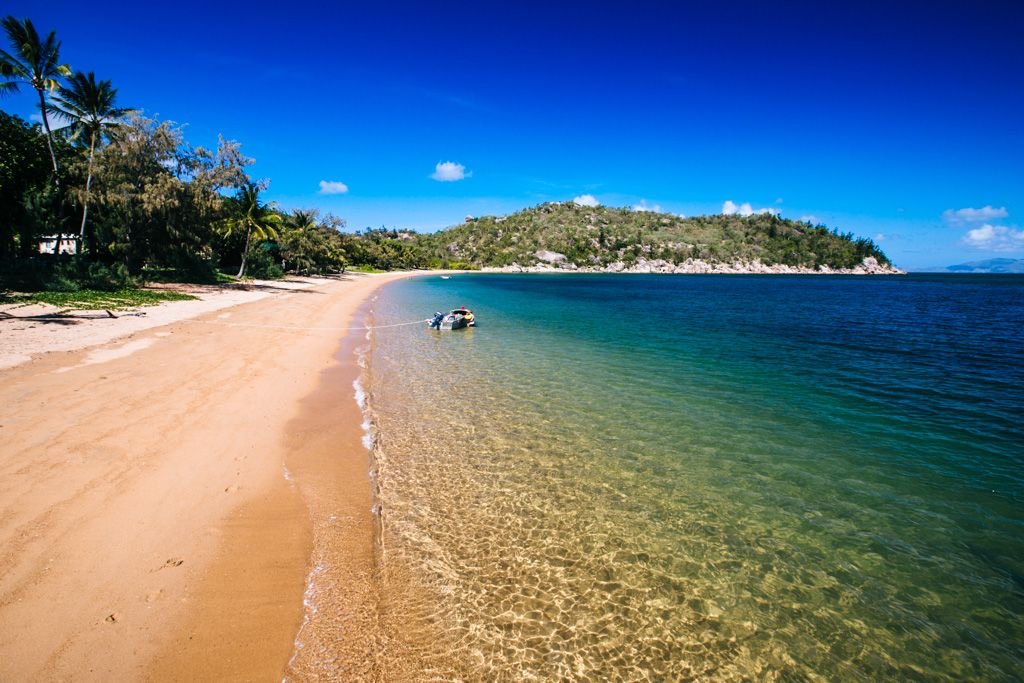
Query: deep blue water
{"points": [[740, 476]]}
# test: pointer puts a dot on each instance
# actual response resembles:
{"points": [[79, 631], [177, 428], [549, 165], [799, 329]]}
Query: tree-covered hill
{"points": [[601, 237]]}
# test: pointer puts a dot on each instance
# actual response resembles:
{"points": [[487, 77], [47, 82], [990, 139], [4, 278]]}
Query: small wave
{"points": [[367, 424], [311, 610]]}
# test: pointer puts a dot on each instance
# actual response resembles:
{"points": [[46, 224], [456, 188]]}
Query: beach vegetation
{"points": [[34, 62], [89, 107], [248, 214], [27, 196], [99, 300], [311, 245]]}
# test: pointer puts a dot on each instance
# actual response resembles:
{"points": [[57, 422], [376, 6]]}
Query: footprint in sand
{"points": [[112, 618], [153, 596], [231, 489], [171, 563]]}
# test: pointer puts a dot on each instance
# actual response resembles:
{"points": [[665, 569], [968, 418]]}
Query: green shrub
{"points": [[63, 274], [261, 264]]}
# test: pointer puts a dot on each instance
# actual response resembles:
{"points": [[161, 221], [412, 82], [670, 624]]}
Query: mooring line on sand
{"points": [[299, 327]]}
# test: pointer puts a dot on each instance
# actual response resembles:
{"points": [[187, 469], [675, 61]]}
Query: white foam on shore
{"points": [[362, 399], [311, 610], [367, 425]]}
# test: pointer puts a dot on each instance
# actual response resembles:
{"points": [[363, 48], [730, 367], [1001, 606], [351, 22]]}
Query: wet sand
{"points": [[155, 491]]}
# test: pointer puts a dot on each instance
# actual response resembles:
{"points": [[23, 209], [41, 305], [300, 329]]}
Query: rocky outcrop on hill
{"points": [[869, 266]]}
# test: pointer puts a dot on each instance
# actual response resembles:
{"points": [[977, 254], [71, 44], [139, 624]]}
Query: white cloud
{"points": [[995, 238], [586, 200], [731, 208], [969, 215], [643, 206], [449, 172], [333, 187], [810, 218], [880, 237]]}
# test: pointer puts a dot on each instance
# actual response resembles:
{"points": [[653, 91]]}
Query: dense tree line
{"points": [[132, 199]]}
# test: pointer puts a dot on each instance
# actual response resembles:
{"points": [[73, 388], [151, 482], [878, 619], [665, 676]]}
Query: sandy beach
{"points": [[155, 480]]}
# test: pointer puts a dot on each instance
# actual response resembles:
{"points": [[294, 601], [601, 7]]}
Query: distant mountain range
{"points": [[992, 265]]}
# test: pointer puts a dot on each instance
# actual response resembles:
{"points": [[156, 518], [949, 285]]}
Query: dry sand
{"points": [[150, 526]]}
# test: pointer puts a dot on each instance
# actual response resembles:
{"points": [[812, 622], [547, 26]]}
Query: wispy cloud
{"points": [[880, 237], [449, 171], [810, 218], [586, 200], [56, 122], [333, 187], [644, 206], [969, 215], [995, 238], [731, 208], [461, 100]]}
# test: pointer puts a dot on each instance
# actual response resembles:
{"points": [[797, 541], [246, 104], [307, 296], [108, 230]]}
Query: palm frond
{"points": [[119, 113], [11, 67], [89, 105], [34, 61], [16, 30]]}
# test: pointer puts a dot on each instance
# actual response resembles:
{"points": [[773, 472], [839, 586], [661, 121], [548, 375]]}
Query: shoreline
{"points": [[152, 494]]}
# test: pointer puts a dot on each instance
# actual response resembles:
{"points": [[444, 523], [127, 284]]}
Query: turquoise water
{"points": [[707, 477]]}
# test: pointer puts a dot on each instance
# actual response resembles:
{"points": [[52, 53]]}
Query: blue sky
{"points": [[900, 124]]}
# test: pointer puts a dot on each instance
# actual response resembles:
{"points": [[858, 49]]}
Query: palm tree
{"points": [[254, 217], [35, 63], [303, 219], [89, 107], [301, 223]]}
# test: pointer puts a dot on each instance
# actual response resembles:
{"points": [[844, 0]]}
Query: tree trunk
{"points": [[245, 252], [88, 184], [49, 139]]}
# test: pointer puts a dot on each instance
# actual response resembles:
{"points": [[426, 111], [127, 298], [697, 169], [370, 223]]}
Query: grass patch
{"points": [[95, 300]]}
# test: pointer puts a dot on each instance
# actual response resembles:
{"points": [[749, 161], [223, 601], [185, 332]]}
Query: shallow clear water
{"points": [[726, 477]]}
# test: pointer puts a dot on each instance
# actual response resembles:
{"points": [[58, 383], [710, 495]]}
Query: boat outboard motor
{"points": [[435, 323]]}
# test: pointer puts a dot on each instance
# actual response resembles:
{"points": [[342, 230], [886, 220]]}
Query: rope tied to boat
{"points": [[299, 327]]}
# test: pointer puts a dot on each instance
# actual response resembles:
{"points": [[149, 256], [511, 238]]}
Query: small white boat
{"points": [[446, 277]]}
